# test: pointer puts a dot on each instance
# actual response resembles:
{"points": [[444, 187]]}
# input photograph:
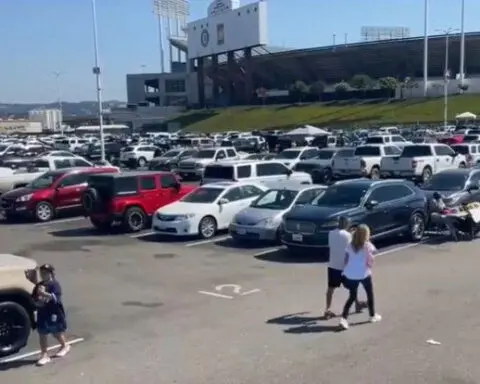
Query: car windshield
{"points": [[275, 199], [416, 151], [374, 140], [325, 155], [45, 181], [202, 195], [446, 182], [171, 154], [288, 155], [341, 196], [206, 154]]}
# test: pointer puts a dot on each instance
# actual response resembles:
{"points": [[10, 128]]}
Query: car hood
{"points": [[181, 208], [9, 262], [449, 194], [316, 213], [163, 160], [251, 216], [17, 192]]}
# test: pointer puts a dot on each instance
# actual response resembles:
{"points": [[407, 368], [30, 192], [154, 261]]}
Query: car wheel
{"points": [[207, 228], [141, 162], [327, 175], [101, 225], [462, 165], [15, 328], [426, 174], [44, 211], [135, 219], [375, 173], [416, 227]]}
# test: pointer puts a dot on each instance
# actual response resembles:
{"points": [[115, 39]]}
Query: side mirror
{"points": [[371, 204], [473, 187], [288, 172], [223, 201]]}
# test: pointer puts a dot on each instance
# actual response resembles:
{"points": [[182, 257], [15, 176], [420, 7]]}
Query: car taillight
{"points": [[414, 164], [363, 164]]}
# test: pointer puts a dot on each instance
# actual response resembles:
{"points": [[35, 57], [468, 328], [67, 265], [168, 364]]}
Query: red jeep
{"points": [[130, 198], [52, 192]]}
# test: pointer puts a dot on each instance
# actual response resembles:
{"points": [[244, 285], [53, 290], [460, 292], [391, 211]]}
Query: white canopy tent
{"points": [[466, 116], [307, 130]]}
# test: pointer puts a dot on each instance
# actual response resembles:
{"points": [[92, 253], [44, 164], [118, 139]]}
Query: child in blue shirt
{"points": [[51, 318]]}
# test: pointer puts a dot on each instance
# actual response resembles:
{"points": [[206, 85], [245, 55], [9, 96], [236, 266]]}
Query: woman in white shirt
{"points": [[358, 270]]}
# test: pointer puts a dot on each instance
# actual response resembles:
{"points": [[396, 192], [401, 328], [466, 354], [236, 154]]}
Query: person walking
{"points": [[359, 259], [51, 318], [338, 240]]}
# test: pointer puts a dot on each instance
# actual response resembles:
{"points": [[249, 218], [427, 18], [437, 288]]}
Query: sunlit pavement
{"points": [[152, 309]]}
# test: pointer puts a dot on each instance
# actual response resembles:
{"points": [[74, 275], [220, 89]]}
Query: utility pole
{"points": [[57, 75]]}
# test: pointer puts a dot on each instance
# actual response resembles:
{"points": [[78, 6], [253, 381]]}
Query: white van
{"points": [[254, 171]]}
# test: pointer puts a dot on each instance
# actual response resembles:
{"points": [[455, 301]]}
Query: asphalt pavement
{"points": [[148, 309]]}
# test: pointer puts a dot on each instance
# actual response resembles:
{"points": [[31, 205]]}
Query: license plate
{"points": [[297, 237], [241, 231]]}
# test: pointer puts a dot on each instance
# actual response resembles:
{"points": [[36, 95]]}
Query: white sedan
{"points": [[206, 210]]}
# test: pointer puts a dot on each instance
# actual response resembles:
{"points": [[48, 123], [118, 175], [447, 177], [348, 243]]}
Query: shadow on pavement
{"points": [[17, 364], [235, 244], [86, 232], [285, 256], [299, 318], [158, 238]]}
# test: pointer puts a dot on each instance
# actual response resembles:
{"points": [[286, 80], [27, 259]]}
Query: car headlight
{"points": [[185, 216], [268, 223], [24, 197], [199, 165]]}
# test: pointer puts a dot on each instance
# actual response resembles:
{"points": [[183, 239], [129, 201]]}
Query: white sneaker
{"points": [[43, 361], [63, 351], [375, 318], [344, 323]]}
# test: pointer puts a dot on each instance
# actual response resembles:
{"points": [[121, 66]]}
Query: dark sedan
{"points": [[456, 186], [389, 207], [169, 160]]}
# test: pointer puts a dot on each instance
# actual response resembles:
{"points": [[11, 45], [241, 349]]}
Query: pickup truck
{"points": [[11, 179], [365, 161], [194, 167], [420, 162]]}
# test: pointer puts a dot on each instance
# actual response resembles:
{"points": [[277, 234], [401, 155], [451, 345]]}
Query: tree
{"points": [[298, 90], [317, 89], [341, 87], [361, 82], [389, 83]]}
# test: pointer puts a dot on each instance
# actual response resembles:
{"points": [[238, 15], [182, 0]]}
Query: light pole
{"points": [[446, 75], [425, 48], [57, 75], [97, 72], [462, 44]]}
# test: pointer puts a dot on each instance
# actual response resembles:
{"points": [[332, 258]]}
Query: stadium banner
{"points": [[228, 29]]}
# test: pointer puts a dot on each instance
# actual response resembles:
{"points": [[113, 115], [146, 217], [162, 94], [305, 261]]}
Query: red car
{"points": [[130, 198], [50, 193]]}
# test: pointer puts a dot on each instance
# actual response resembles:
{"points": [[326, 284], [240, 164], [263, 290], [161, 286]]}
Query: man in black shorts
{"points": [[338, 239]]}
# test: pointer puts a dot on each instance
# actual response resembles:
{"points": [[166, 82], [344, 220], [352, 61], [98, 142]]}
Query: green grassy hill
{"points": [[358, 113]]}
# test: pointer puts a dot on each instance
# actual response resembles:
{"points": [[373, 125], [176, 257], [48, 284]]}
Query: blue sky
{"points": [[39, 37]]}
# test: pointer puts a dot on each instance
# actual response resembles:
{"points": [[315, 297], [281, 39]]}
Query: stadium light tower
{"points": [[168, 11], [425, 48], [97, 72], [446, 76], [57, 75], [462, 44]]}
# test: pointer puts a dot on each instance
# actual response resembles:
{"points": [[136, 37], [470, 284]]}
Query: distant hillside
{"points": [[81, 108]]}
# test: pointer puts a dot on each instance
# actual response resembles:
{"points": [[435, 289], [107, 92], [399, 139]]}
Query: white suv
{"points": [[138, 155], [262, 171]]}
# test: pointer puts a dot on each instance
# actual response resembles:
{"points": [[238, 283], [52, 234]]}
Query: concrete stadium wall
{"points": [[435, 87]]}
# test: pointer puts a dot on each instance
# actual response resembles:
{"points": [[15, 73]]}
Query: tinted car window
{"points": [[462, 149], [168, 181], [234, 194], [446, 181], [416, 151], [148, 183], [270, 169], [250, 191], [40, 163], [341, 195], [443, 151], [71, 180], [306, 197], [325, 155], [367, 151], [218, 172], [59, 164], [374, 140], [125, 185], [231, 153], [244, 171], [345, 152], [80, 163], [389, 193]]}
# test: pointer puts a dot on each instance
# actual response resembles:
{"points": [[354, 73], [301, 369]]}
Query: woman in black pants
{"points": [[358, 270]]}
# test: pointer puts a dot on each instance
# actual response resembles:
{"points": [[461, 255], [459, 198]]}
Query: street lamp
{"points": [[57, 75], [462, 44], [97, 72], [425, 48], [178, 10], [446, 76]]}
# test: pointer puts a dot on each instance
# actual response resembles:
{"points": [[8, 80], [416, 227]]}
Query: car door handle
{"points": [[438, 159]]}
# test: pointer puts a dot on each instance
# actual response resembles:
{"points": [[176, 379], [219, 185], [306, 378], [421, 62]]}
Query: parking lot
{"points": [[148, 309]]}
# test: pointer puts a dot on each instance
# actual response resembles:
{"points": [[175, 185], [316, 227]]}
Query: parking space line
{"points": [[37, 352], [142, 234], [266, 251], [195, 243], [53, 222], [216, 295]]}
